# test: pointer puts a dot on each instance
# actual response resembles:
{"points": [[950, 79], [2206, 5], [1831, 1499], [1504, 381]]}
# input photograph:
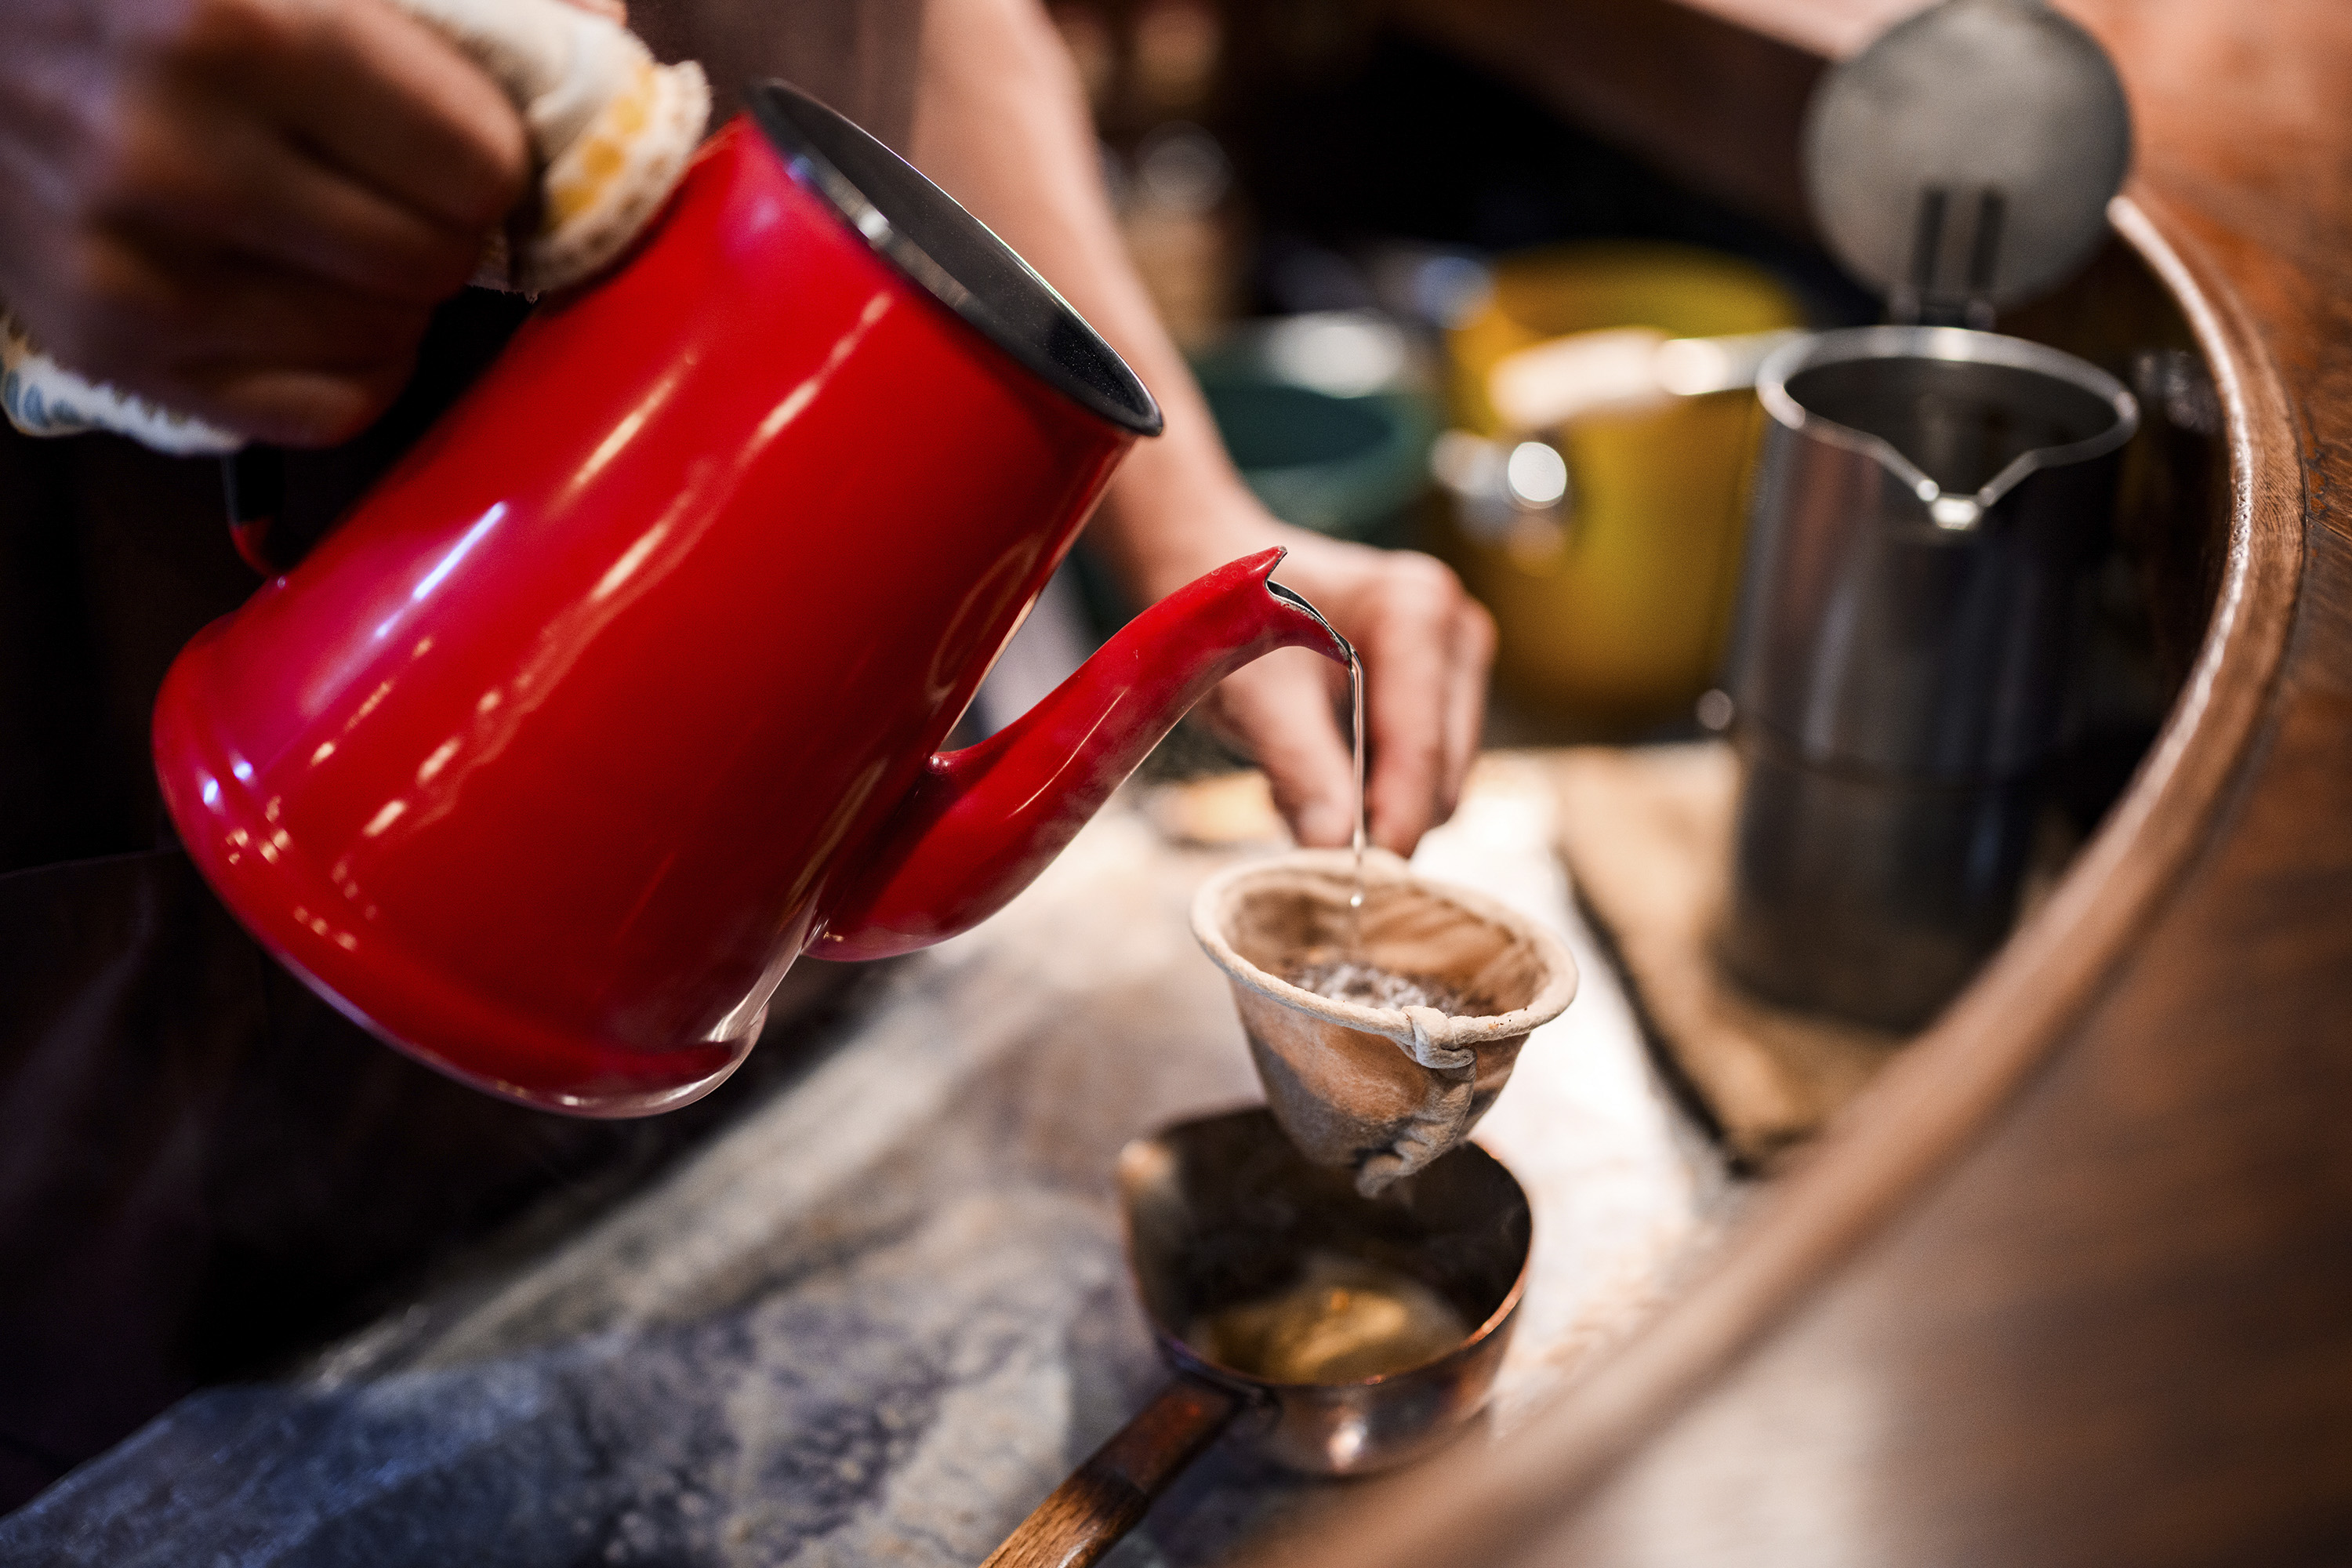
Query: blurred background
{"points": [[1348, 227]]}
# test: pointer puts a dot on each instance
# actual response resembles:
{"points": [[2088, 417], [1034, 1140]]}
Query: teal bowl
{"points": [[1324, 416]]}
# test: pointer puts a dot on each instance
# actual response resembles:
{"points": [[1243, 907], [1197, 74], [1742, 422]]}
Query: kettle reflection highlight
{"points": [[622, 688]]}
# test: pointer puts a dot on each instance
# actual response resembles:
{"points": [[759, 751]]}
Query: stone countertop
{"points": [[880, 1315]]}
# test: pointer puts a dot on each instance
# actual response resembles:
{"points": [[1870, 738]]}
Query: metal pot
{"points": [[1222, 1211], [1927, 506]]}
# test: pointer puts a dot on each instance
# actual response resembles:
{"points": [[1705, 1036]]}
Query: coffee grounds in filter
{"points": [[1369, 985]]}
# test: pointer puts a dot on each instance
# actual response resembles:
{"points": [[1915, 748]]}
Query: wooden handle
{"points": [[1109, 1494]]}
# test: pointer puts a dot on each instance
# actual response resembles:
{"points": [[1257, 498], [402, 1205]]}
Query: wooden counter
{"points": [[2073, 1283]]}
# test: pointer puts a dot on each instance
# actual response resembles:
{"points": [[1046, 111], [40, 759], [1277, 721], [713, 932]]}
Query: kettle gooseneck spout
{"points": [[980, 823]]}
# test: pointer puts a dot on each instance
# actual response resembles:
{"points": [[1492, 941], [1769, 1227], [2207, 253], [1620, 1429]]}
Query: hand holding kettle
{"points": [[243, 279], [1426, 645], [550, 892]]}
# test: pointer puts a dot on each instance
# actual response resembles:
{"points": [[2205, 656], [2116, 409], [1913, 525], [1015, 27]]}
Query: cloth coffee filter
{"points": [[611, 133], [1382, 1090]]}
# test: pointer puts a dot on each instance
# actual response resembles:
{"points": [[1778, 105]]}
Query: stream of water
{"points": [[1356, 901]]}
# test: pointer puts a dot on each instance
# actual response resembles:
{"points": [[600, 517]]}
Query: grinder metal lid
{"points": [[1966, 158]]}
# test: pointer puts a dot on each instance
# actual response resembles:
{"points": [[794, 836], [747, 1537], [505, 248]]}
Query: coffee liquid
{"points": [[1344, 1319]]}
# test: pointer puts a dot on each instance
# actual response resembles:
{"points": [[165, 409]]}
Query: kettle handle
{"points": [[253, 487], [1108, 1495]]}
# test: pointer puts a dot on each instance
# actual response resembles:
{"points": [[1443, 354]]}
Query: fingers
{"points": [[237, 188], [347, 234], [1465, 701], [178, 308], [1408, 657], [1280, 710], [296, 407], [1426, 645], [235, 344], [383, 99]]}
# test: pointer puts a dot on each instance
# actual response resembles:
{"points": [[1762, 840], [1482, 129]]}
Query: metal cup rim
{"points": [[1950, 345], [1179, 1353]]}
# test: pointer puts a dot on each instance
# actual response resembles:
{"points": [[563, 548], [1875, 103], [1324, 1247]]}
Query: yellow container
{"points": [[1618, 622]]}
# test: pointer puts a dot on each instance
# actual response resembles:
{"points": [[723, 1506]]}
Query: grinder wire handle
{"points": [[253, 490], [1918, 298]]}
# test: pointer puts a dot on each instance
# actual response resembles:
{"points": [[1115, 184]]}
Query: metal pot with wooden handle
{"points": [[1337, 1333]]}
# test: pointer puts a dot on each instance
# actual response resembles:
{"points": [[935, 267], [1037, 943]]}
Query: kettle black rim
{"points": [[952, 255]]}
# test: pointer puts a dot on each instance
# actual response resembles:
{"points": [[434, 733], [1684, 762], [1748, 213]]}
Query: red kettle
{"points": [[620, 690]]}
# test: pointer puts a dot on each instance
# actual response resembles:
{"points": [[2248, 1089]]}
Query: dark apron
{"points": [[204, 1168]]}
